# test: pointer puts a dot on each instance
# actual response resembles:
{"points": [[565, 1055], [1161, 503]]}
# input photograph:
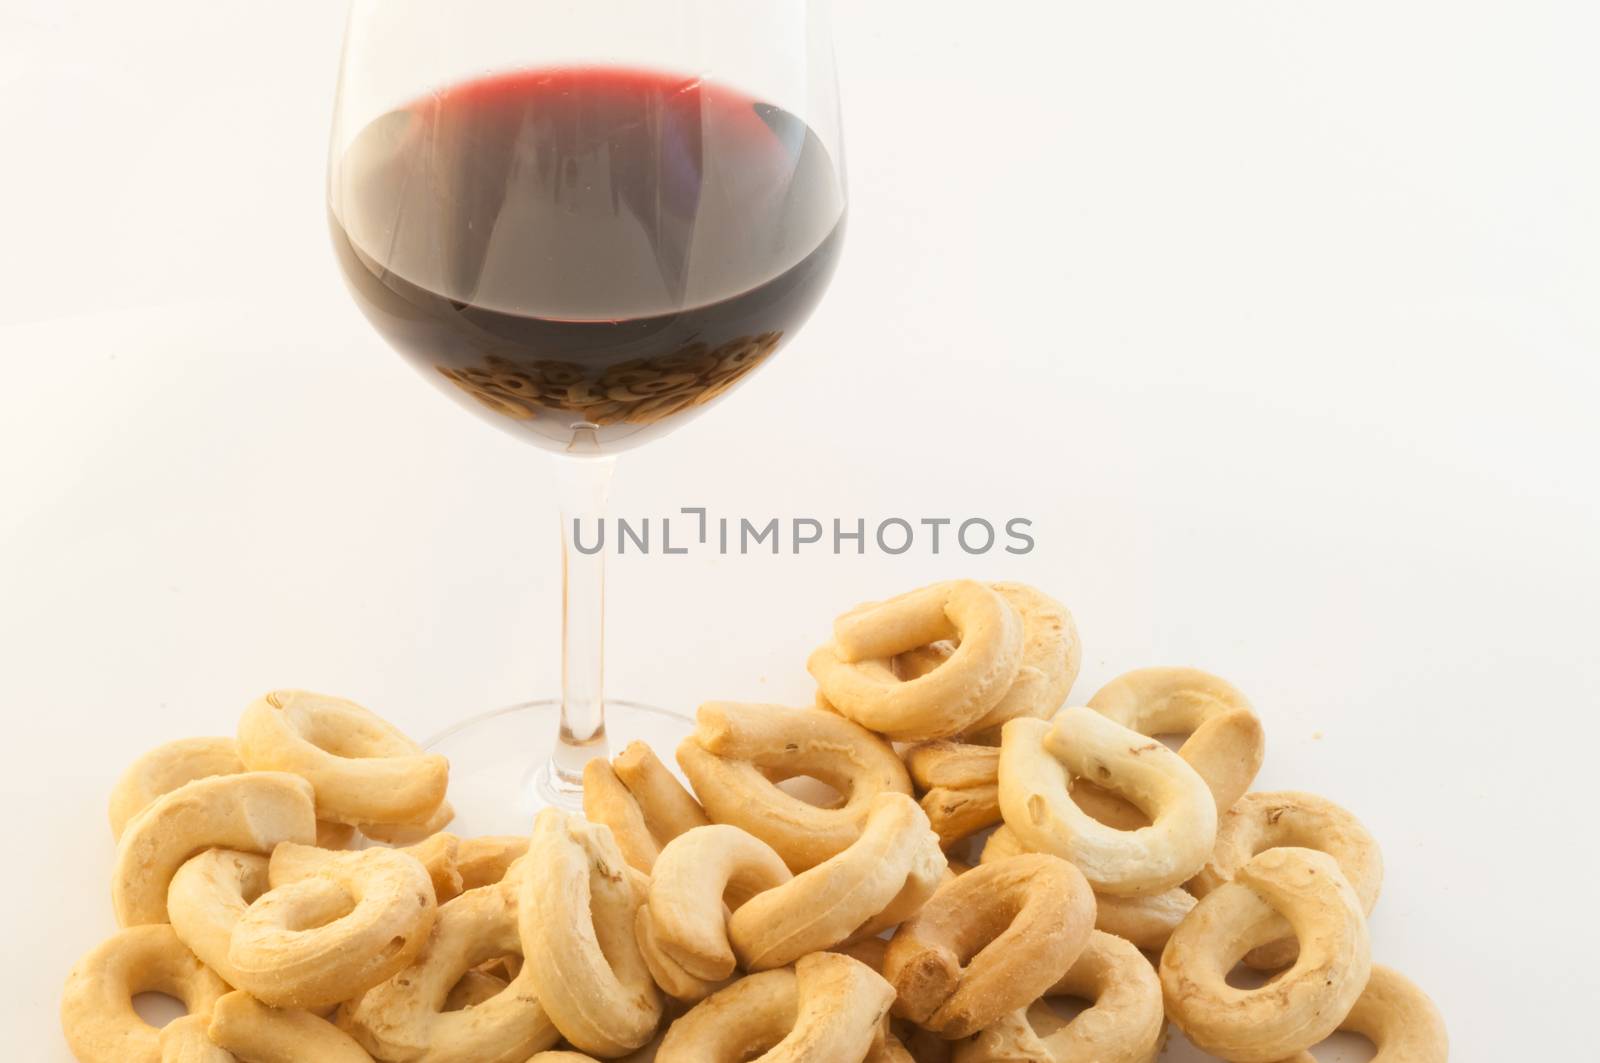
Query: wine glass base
{"points": [[500, 768]]}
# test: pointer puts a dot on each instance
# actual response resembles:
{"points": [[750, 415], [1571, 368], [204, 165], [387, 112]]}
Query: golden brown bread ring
{"points": [[855, 675], [331, 926], [1225, 742], [641, 801], [363, 769], [989, 942], [256, 1033], [1125, 1022], [486, 860], [696, 871], [251, 812], [1148, 922], [1398, 1018], [1051, 656], [164, 769], [881, 880], [1039, 762], [1262, 821], [208, 897], [406, 1017], [826, 1009], [1282, 888], [739, 753], [577, 907], [97, 1013]]}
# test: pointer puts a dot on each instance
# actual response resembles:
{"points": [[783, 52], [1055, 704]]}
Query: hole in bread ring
{"points": [[641, 801], [1268, 820], [332, 925], [826, 1009], [409, 1016], [882, 879], [855, 675], [97, 1013], [254, 1032], [577, 909], [1147, 922], [1398, 1018], [1281, 889], [699, 876], [251, 812], [1126, 1021], [1225, 742], [362, 768], [1039, 762], [739, 753], [989, 942]]}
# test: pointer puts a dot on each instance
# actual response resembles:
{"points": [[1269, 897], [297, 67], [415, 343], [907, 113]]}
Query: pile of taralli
{"points": [[983, 852]]}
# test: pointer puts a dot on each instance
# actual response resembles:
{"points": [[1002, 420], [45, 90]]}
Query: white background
{"points": [[1277, 318]]}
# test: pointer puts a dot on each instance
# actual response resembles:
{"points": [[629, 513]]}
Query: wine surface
{"points": [[587, 255]]}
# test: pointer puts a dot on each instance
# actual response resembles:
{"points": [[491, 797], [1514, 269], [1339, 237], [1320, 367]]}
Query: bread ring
{"points": [[332, 925], [1146, 921], [438, 856], [97, 1013], [695, 871], [641, 801], [826, 1009], [251, 812], [414, 832], [1262, 821], [739, 753], [405, 1017], [1225, 744], [187, 1040], [1038, 762], [961, 795], [1051, 656], [1298, 1008], [256, 1033], [854, 673], [668, 974], [362, 768], [208, 897], [1125, 1023], [577, 907], [1399, 1020], [164, 769], [884, 878], [989, 942]]}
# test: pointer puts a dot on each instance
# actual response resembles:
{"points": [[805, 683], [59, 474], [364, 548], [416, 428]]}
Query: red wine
{"points": [[588, 255]]}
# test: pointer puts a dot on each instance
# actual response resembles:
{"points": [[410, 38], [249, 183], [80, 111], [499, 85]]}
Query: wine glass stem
{"points": [[585, 485]]}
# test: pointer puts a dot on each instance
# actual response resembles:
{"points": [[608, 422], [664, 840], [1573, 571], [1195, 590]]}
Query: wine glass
{"points": [[586, 221]]}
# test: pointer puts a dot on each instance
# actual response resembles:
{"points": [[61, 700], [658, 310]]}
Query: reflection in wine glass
{"points": [[586, 222]]}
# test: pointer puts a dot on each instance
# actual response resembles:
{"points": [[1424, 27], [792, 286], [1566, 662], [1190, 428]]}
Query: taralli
{"points": [[1125, 1023], [855, 673], [167, 767], [641, 801], [696, 871], [252, 812], [960, 784], [188, 1040], [209, 895], [486, 860], [1296, 1009], [826, 1009], [1146, 921], [881, 880], [738, 754], [331, 926], [577, 907], [406, 1016], [1263, 821], [97, 1013], [362, 768], [989, 942], [256, 1033], [1051, 655], [1038, 762], [1225, 743], [411, 833], [668, 974], [438, 856], [1399, 1020]]}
